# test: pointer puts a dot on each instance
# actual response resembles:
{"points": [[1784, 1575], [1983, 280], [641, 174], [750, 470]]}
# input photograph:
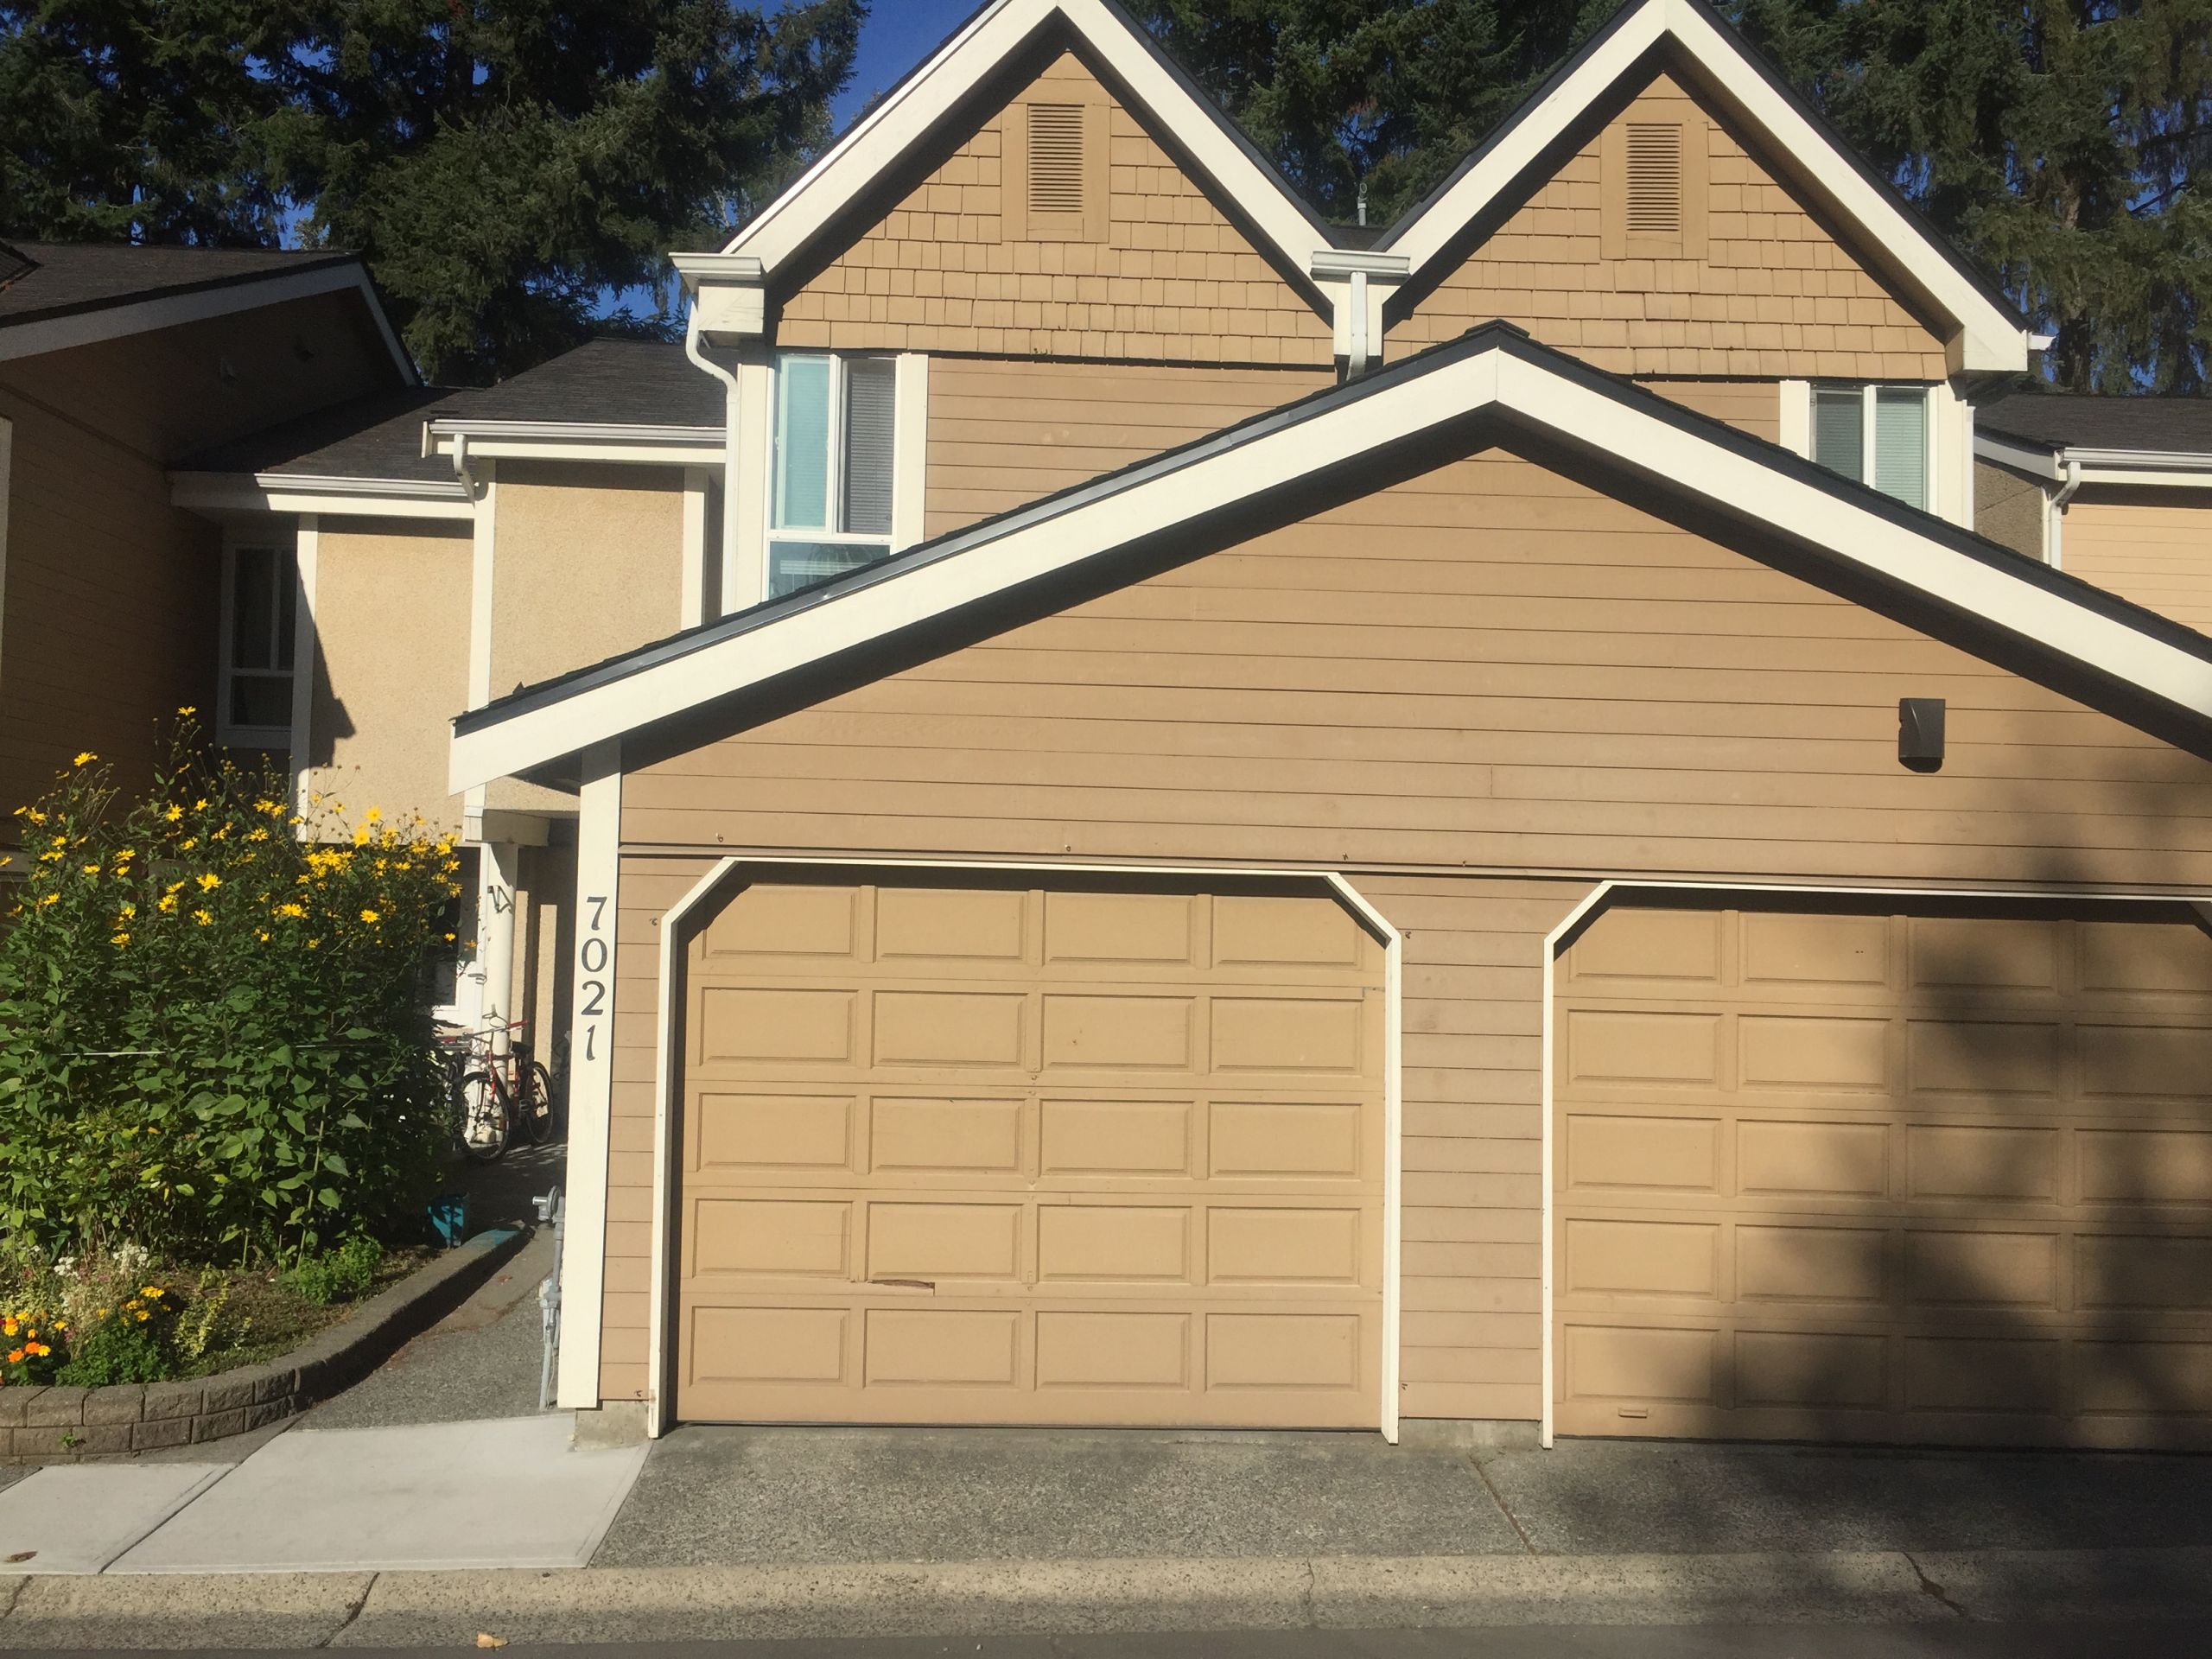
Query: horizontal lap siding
{"points": [[1000, 434], [648, 887], [1775, 293], [2154, 547], [1488, 669], [1174, 279]]}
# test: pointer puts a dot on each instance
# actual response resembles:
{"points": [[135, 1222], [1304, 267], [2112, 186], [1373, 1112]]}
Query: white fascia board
{"points": [[1025, 553], [1745, 486], [306, 493], [1989, 340], [2021, 458], [964, 62], [681, 446], [1851, 534], [167, 311]]}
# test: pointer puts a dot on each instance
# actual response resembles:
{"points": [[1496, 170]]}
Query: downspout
{"points": [[1356, 354], [694, 348], [2056, 537]]}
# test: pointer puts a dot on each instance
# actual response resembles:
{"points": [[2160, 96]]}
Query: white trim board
{"points": [[87, 328], [660, 1415], [2143, 468], [1531, 390], [591, 1078], [1593, 899], [334, 495], [916, 108], [1988, 339]]}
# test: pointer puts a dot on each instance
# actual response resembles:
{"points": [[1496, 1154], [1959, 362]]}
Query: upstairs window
{"points": [[260, 625], [1878, 435], [831, 489]]}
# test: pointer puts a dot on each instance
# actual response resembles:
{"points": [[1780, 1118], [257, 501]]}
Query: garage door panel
{"points": [[1105, 1156], [970, 1136], [743, 1132], [1783, 1158], [1951, 1180], [1607, 1152]]}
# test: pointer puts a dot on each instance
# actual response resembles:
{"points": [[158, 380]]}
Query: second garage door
{"points": [[1930, 1178], [968, 1152]]}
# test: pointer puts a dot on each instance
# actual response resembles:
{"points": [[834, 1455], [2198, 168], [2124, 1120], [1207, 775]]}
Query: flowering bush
{"points": [[214, 1038], [84, 1321]]}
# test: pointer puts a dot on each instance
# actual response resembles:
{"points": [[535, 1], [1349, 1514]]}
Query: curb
{"points": [[976, 1598], [61, 1425]]}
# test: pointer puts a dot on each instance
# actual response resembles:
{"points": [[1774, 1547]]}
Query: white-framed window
{"points": [[1880, 434], [832, 468], [261, 610]]}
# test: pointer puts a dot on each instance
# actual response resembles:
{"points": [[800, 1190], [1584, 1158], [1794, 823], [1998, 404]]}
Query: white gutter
{"points": [[478, 433]]}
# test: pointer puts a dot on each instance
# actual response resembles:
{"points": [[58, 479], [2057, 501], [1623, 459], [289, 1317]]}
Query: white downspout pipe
{"points": [[694, 349], [2053, 540]]}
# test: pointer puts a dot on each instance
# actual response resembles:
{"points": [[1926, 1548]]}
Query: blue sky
{"points": [[896, 37]]}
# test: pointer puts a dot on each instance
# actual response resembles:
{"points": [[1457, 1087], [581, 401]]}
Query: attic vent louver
{"points": [[1655, 178], [1056, 158]]}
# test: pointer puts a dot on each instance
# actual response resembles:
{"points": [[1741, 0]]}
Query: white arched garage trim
{"points": [[1709, 893], [666, 1080]]}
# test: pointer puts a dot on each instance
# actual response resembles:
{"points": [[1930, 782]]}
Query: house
{"points": [[1455, 829], [118, 605], [1134, 809], [2112, 489]]}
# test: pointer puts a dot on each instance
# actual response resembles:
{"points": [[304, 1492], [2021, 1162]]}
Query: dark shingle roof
{"points": [[2059, 420], [71, 277], [610, 382], [623, 382]]}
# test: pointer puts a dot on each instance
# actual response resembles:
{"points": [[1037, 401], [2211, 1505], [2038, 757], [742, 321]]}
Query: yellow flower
{"points": [[293, 911], [202, 917], [7, 1327], [120, 940], [174, 813], [209, 881], [178, 886], [150, 1290], [189, 709], [40, 1350], [49, 898], [33, 814], [187, 843], [361, 836], [168, 903], [200, 805], [258, 834], [448, 938], [265, 936], [373, 816], [371, 916], [128, 909], [92, 869], [86, 758], [312, 943]]}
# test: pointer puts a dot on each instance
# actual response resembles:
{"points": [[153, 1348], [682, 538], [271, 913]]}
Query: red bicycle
{"points": [[496, 1096]]}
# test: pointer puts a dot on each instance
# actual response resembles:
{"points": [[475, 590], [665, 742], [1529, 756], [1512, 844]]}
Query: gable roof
{"points": [[1988, 334], [1687, 37], [75, 293], [1494, 384], [947, 86]]}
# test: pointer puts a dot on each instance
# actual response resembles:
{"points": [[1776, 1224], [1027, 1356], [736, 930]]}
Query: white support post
{"points": [[307, 549], [495, 935], [591, 1074]]}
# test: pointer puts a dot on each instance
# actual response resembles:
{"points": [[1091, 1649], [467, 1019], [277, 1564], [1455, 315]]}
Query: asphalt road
{"points": [[1932, 1641]]}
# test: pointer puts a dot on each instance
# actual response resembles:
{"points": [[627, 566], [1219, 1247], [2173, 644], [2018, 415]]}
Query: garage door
{"points": [[980, 1154], [1927, 1178]]}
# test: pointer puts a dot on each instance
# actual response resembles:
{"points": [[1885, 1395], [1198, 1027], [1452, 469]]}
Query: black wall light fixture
{"points": [[1920, 733]]}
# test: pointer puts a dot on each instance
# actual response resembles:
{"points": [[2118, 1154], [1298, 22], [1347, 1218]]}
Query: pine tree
{"points": [[500, 164], [2054, 141]]}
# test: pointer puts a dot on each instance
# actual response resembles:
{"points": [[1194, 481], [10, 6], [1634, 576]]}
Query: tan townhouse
{"points": [[1180, 817]]}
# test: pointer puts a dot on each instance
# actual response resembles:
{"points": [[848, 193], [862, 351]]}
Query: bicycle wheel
{"points": [[481, 1114], [534, 1110]]}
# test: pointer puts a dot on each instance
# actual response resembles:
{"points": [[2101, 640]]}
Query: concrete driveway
{"points": [[727, 1497]]}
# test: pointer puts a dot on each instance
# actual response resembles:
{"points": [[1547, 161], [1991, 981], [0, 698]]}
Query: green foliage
{"points": [[215, 1039], [339, 1275], [499, 162], [135, 1343], [2056, 141]]}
